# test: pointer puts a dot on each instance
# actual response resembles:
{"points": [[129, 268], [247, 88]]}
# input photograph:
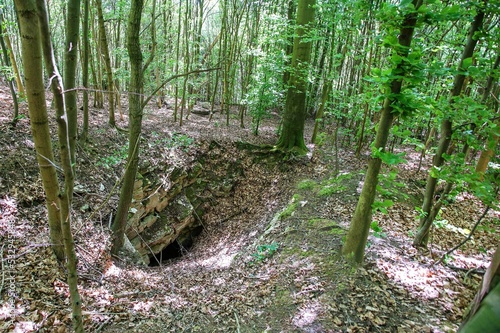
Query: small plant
{"points": [[377, 230], [440, 223], [333, 185], [321, 139], [114, 159], [448, 258], [264, 251], [382, 206], [330, 190]]}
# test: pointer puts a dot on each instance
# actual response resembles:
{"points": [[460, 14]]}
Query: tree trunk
{"points": [[8, 44], [480, 317], [35, 93], [492, 142], [65, 196], [85, 70], [135, 120], [292, 133], [5, 52], [357, 236], [70, 63], [107, 63], [422, 236]]}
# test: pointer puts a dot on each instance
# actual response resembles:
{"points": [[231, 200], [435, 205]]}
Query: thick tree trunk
{"points": [[135, 120], [483, 315], [357, 236], [292, 133], [422, 235]]}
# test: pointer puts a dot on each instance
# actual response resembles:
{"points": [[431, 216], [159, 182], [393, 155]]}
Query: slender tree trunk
{"points": [[65, 196], [492, 142], [8, 44], [10, 81], [85, 71], [135, 120], [107, 63], [70, 63], [357, 236], [422, 235], [35, 93], [177, 60]]}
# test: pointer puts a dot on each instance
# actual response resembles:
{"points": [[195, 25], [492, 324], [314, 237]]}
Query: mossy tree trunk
{"points": [[422, 236], [292, 133], [135, 120], [354, 247]]}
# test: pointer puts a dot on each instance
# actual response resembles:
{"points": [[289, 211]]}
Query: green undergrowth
{"points": [[327, 187]]}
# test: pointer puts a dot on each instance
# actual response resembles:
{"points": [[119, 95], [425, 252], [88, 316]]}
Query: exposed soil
{"points": [[267, 259]]}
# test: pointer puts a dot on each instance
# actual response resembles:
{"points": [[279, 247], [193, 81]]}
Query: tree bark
{"points": [[107, 64], [422, 235], [70, 63], [292, 133], [35, 93], [85, 70], [65, 196], [8, 44], [357, 236], [135, 120], [5, 52]]}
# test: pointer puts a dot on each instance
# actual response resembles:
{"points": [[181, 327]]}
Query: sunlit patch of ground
{"points": [[223, 284]]}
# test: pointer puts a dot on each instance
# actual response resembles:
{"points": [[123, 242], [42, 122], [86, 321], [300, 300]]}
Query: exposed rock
{"points": [[168, 204]]}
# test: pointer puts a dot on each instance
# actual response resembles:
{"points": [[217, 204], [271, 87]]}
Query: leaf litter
{"points": [[230, 280]]}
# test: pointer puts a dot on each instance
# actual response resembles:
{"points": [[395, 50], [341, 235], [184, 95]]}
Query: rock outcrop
{"points": [[168, 205]]}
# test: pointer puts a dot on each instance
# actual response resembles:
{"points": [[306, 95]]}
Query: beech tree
{"points": [[430, 209], [354, 246], [292, 132]]}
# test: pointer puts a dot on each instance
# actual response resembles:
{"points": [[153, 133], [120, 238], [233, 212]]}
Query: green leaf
{"points": [[466, 63]]}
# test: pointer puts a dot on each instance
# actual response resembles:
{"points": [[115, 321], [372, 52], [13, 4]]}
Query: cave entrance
{"points": [[177, 249]]}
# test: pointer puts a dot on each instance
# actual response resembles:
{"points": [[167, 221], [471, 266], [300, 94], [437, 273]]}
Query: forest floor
{"points": [[267, 259]]}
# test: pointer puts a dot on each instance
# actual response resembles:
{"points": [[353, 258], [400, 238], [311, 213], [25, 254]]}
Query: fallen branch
{"points": [[469, 236]]}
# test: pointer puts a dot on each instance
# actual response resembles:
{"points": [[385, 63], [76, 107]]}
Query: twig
{"points": [[3, 271], [466, 239], [103, 324], [173, 77], [237, 322]]}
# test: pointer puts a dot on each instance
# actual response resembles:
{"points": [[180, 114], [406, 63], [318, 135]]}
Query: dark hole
{"points": [[176, 249]]}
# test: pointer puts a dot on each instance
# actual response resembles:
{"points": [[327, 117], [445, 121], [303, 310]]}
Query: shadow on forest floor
{"points": [[273, 266]]}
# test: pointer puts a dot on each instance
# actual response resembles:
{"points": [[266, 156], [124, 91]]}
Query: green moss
{"points": [[307, 184], [330, 190], [292, 206], [326, 225], [288, 211]]}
